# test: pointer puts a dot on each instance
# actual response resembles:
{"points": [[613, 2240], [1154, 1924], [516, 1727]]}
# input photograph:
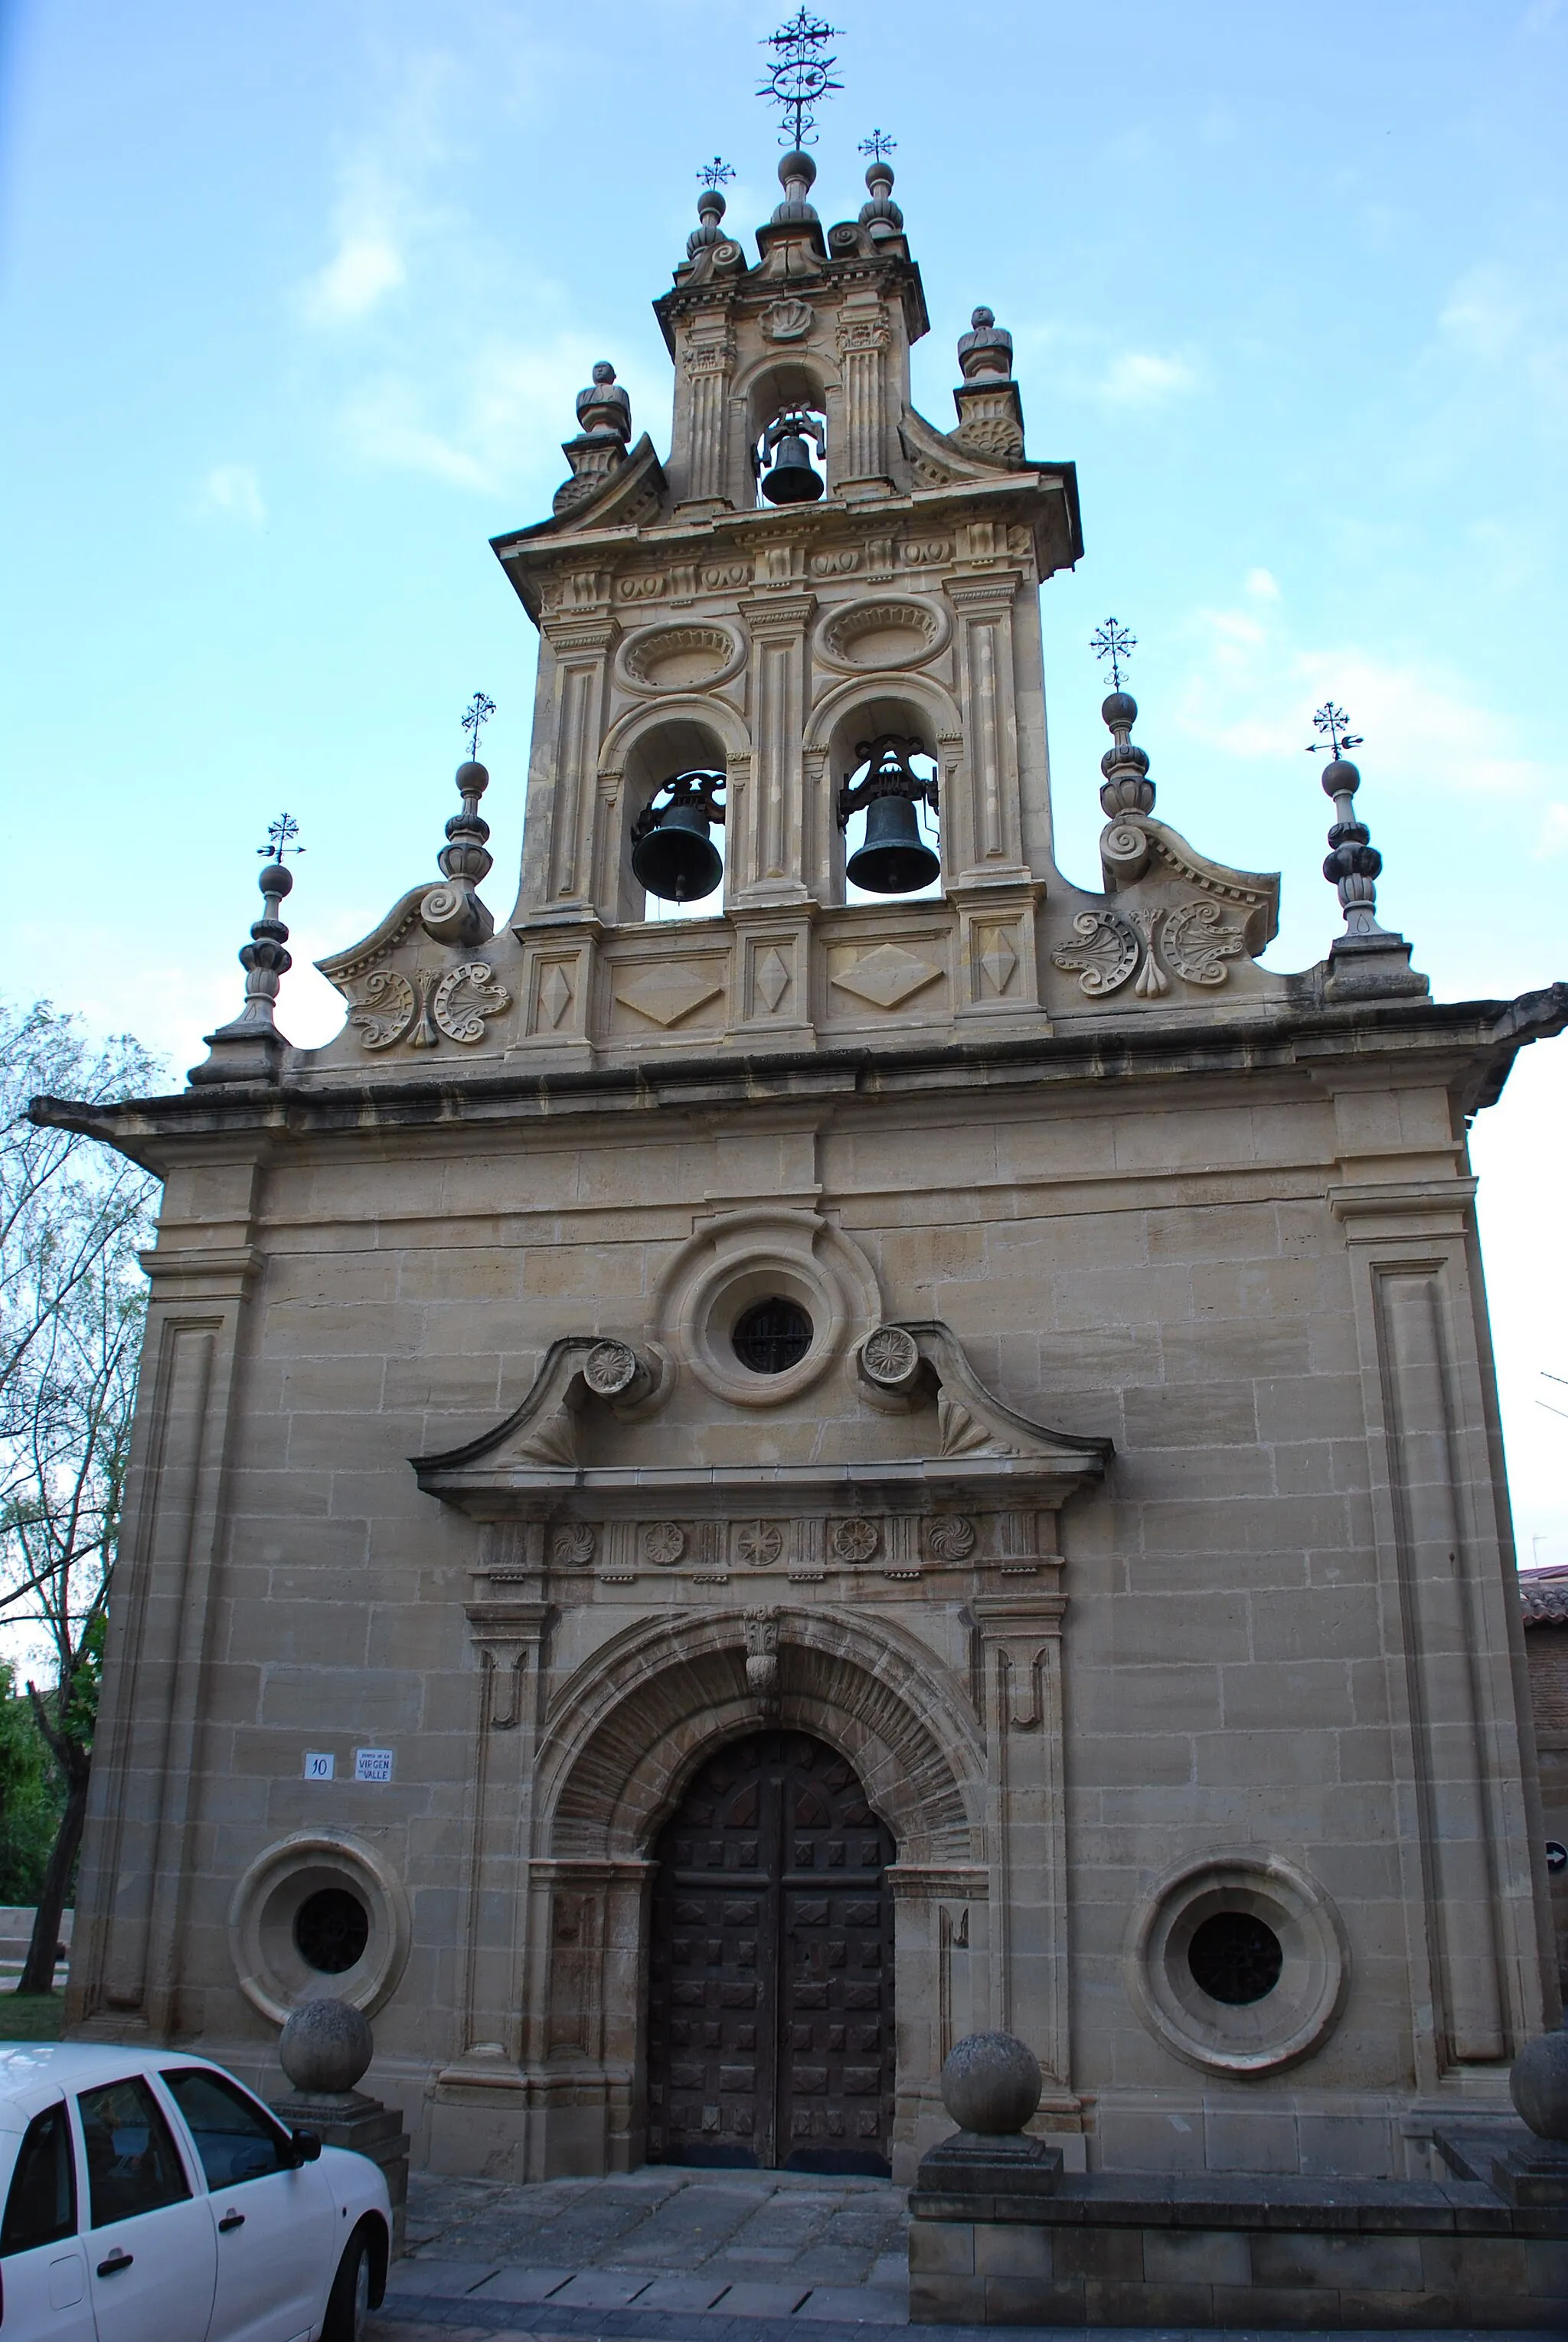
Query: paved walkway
{"points": [[674, 2255]]}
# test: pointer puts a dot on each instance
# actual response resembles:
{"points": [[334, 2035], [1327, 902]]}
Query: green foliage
{"points": [[31, 1796]]}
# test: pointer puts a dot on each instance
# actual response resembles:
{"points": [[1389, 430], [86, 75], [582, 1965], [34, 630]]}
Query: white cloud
{"points": [[365, 266], [1553, 838], [1423, 723], [1485, 313], [1141, 378], [232, 491], [1263, 585]]}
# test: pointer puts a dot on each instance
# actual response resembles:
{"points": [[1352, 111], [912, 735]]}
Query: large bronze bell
{"points": [[893, 858], [792, 478], [678, 860]]}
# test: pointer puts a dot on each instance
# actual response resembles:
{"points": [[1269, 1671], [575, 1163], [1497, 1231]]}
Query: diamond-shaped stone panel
{"points": [[772, 978], [886, 976], [998, 960], [666, 992], [555, 996]]}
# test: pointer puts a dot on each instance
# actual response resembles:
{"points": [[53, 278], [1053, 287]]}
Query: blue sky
{"points": [[294, 299]]}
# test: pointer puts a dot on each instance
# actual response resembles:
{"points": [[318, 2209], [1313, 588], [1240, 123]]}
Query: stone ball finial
{"points": [[797, 165], [990, 2084], [276, 880], [473, 779], [1538, 2085], [326, 2046], [1118, 708], [1341, 777], [982, 318]]}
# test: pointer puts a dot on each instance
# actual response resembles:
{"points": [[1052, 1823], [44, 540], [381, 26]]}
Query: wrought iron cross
{"points": [[478, 712], [716, 173], [801, 73], [1336, 724], [278, 834], [878, 145], [1114, 643]]}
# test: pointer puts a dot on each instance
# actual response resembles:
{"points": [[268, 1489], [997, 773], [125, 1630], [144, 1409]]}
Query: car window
{"points": [[40, 2208], [132, 2165], [234, 2140]]}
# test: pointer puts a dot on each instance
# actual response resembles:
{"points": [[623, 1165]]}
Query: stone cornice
{"points": [[1465, 1047]]}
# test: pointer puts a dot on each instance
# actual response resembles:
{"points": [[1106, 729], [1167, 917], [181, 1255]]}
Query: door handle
{"points": [[231, 2221], [116, 2261]]}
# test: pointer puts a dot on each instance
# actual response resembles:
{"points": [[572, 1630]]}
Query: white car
{"points": [[149, 2198]]}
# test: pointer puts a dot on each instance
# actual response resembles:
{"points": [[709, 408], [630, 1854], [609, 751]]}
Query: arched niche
{"points": [[639, 756], [797, 381], [914, 706]]}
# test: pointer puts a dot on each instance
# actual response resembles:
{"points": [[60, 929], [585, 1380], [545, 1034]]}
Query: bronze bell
{"points": [[792, 478], [893, 858], [678, 860]]}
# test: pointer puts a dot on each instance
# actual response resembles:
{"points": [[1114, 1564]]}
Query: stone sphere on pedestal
{"points": [[1538, 2085], [326, 2046], [990, 2084]]}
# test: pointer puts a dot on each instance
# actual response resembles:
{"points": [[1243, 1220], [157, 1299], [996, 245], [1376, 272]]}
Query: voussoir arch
{"points": [[626, 1731]]}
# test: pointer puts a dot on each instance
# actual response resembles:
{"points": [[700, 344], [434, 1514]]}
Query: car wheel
{"points": [[348, 2303]]}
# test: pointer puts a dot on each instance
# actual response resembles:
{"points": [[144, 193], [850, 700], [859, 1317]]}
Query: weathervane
{"points": [[278, 834], [716, 173], [801, 73], [1336, 723], [1114, 643], [478, 712], [878, 145]]}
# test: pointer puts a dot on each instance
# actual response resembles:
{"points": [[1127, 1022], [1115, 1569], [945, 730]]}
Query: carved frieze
{"points": [[1192, 940]]}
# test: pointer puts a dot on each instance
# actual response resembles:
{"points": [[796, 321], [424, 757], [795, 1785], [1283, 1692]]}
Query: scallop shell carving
{"points": [[870, 637]]}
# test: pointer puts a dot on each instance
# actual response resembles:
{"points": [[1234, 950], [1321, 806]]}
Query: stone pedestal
{"points": [[348, 2119]]}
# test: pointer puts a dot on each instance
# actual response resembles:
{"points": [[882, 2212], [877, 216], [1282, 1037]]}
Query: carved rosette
{"points": [[610, 1368], [951, 1538], [571, 1548], [663, 1543], [854, 1541], [759, 1544]]}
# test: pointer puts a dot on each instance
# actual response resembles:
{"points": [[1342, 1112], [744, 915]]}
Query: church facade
{"points": [[721, 1502]]}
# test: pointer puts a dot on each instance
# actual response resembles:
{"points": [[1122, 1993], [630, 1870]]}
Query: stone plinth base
{"points": [[346, 2118], [1131, 2248]]}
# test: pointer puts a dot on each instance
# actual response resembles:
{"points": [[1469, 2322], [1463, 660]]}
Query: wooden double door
{"points": [[770, 1988]]}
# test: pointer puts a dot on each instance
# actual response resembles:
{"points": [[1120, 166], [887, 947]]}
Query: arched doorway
{"points": [[770, 1986]]}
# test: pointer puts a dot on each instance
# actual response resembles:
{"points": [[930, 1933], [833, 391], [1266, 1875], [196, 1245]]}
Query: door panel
{"points": [[275, 2222], [151, 2253], [770, 2004]]}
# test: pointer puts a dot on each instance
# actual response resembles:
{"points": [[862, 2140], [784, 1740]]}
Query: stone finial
{"points": [[991, 2085], [711, 209], [324, 2047], [1127, 787], [797, 176], [454, 914], [990, 409], [251, 1049], [985, 351], [1367, 960], [605, 406], [605, 417], [881, 217], [1538, 2085]]}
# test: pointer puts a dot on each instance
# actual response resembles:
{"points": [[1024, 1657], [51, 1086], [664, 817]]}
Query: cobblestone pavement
{"points": [[675, 2255]]}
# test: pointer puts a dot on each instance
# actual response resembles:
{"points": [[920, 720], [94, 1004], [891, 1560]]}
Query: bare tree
{"points": [[72, 1302]]}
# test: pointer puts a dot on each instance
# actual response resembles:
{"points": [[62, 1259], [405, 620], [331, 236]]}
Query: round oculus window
{"points": [[771, 1337], [1236, 1958], [331, 1930]]}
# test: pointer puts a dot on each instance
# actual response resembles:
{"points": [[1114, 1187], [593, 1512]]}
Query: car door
{"points": [[151, 2252], [272, 2217], [42, 2260]]}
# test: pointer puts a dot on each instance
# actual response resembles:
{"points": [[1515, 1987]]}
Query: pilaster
{"points": [[766, 839]]}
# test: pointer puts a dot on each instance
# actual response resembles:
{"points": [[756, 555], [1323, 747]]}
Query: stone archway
{"points": [[769, 2009]]}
